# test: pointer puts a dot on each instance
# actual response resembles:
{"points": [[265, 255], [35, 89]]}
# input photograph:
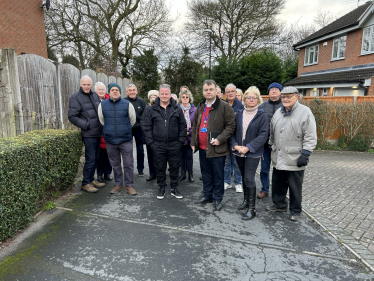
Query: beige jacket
{"points": [[290, 134]]}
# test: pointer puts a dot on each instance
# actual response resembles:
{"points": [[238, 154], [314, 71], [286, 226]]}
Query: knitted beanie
{"points": [[275, 85], [111, 85]]}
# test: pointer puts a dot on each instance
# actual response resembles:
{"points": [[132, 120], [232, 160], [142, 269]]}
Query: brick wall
{"points": [[22, 27], [352, 54]]}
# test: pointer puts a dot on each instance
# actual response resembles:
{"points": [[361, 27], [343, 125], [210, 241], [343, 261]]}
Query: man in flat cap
{"points": [[117, 117], [293, 137]]}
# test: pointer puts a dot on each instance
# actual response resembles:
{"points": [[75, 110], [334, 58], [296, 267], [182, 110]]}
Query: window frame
{"points": [[315, 49], [339, 47], [370, 40]]}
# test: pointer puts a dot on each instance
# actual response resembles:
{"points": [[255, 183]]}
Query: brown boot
{"points": [[130, 190], [262, 195], [95, 183], [89, 188], [116, 189]]}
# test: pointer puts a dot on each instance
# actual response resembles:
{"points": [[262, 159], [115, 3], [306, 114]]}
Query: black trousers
{"points": [[186, 158], [138, 135], [151, 165], [91, 153], [281, 182], [247, 167], [103, 164], [164, 153]]}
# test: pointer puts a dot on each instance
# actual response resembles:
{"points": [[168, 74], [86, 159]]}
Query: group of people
{"points": [[231, 137]]}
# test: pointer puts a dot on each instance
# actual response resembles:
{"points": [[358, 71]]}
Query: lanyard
{"points": [[205, 117]]}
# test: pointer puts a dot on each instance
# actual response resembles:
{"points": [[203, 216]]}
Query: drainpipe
{"points": [[365, 89]]}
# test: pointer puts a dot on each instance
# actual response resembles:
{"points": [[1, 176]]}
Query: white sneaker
{"points": [[227, 185], [238, 188]]}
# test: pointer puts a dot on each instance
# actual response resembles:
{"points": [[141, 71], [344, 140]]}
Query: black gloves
{"points": [[303, 160]]}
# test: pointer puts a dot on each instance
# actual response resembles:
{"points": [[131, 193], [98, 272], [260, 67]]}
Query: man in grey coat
{"points": [[293, 137]]}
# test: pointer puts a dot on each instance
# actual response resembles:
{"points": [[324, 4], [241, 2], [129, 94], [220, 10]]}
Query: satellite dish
{"points": [[46, 5]]}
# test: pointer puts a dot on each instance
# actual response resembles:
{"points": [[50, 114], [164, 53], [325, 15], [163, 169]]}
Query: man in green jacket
{"points": [[214, 124]]}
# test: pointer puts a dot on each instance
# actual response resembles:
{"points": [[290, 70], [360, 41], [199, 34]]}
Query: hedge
{"points": [[31, 165]]}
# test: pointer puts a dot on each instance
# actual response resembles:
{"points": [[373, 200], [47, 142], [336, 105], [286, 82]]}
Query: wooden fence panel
{"points": [[90, 73], [125, 83], [112, 79], [102, 77], [39, 93], [68, 83]]}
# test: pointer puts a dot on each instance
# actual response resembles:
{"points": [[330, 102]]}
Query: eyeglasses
{"points": [[229, 92], [185, 97], [251, 98], [287, 96]]}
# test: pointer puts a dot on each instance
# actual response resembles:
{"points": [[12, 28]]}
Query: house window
{"points": [[368, 40], [311, 55], [338, 49]]}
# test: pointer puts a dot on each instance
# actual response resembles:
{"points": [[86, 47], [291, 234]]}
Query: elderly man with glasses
{"points": [[292, 139]]}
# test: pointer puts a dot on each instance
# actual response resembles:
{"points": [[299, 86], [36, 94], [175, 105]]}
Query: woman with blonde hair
{"points": [[186, 159], [239, 94], [247, 143]]}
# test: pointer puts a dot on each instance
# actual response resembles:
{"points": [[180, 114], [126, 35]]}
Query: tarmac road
{"points": [[120, 237]]}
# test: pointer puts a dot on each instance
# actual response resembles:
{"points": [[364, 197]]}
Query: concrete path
{"points": [[121, 237]]}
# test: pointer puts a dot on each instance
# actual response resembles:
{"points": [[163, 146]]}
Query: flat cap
{"points": [[289, 90]]}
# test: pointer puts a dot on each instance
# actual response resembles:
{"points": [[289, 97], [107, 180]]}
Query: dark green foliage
{"points": [[358, 143], [259, 69], [145, 72], [289, 69], [71, 60], [183, 71], [51, 55], [30, 165]]}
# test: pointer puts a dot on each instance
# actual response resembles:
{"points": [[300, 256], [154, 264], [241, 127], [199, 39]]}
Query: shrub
{"points": [[31, 165]]}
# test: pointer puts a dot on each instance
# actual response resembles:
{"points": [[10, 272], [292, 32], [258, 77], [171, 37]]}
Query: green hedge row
{"points": [[32, 164]]}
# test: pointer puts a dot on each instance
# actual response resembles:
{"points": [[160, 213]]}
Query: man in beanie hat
{"points": [[293, 136], [270, 106], [117, 117], [139, 106]]}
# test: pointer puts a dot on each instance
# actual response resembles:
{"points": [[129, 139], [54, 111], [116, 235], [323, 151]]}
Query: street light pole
{"points": [[210, 50]]}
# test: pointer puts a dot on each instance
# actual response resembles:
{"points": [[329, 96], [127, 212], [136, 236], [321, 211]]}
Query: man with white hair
{"points": [[139, 106], [83, 113], [293, 137]]}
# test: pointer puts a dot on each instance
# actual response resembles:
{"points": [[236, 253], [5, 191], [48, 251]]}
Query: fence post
{"points": [[354, 100], [58, 72]]}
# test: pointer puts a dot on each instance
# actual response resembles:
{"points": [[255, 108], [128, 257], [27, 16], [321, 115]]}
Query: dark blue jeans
{"points": [[103, 164], [91, 154], [186, 158], [212, 173], [265, 169], [138, 135]]}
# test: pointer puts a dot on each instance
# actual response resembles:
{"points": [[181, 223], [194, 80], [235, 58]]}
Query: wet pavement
{"points": [[121, 237]]}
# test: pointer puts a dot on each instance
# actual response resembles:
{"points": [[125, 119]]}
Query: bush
{"points": [[31, 165]]}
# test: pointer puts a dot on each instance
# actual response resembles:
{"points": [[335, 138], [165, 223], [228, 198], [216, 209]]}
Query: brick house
{"points": [[338, 60], [22, 27]]}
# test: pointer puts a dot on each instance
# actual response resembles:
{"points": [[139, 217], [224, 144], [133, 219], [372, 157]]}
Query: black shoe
{"points": [[108, 177], [275, 208], [203, 200], [201, 178], [182, 176], [141, 174], [295, 217], [249, 215], [243, 205], [176, 194], [151, 178], [161, 193], [217, 205], [190, 176], [100, 178]]}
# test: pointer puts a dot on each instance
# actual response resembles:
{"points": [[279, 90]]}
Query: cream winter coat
{"points": [[290, 134]]}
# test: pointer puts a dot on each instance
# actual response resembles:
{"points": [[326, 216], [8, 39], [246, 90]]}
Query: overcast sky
{"points": [[302, 10]]}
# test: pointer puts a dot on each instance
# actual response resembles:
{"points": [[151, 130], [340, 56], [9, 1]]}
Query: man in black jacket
{"points": [[270, 106], [83, 113], [139, 106], [165, 131]]}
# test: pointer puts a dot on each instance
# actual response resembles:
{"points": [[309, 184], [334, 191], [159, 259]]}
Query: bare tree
{"points": [[109, 29], [238, 26]]}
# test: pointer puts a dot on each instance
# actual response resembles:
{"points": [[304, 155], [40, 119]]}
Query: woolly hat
{"points": [[153, 93], [275, 85], [289, 90], [111, 85]]}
